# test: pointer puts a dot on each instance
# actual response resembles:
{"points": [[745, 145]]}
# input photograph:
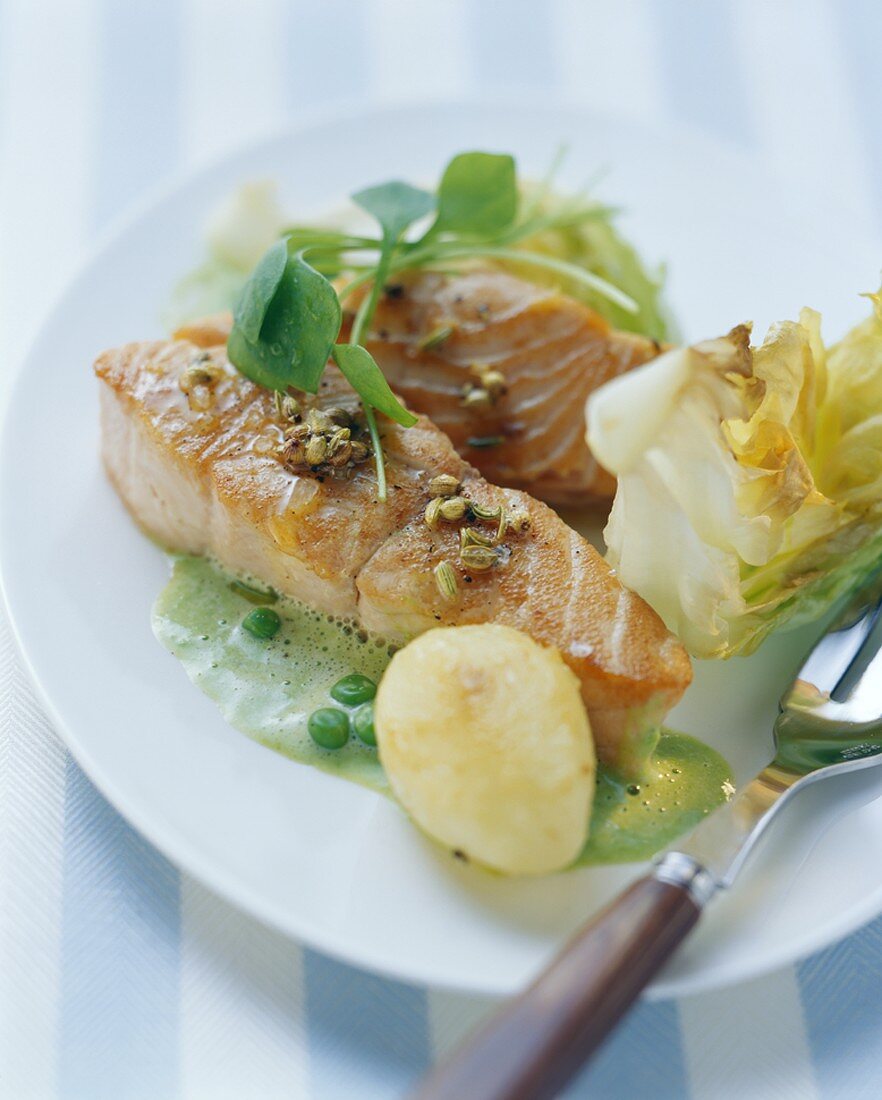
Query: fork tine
{"points": [[829, 663]]}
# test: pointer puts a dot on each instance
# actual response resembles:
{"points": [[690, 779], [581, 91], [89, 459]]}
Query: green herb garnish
{"points": [[484, 440], [252, 594], [288, 317]]}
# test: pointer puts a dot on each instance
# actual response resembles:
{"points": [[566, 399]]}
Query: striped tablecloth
{"points": [[122, 978]]}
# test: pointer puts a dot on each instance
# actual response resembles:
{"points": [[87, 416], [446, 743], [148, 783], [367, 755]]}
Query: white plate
{"points": [[326, 861]]}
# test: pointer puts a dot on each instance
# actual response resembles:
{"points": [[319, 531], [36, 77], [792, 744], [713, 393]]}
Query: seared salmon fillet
{"points": [[438, 336], [198, 455]]}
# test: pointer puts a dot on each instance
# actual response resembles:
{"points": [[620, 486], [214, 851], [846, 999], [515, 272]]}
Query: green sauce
{"points": [[685, 780], [267, 688]]}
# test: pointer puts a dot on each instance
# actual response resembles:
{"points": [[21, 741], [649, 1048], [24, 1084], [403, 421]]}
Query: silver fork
{"points": [[829, 722]]}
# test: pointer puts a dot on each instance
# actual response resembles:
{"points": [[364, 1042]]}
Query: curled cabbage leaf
{"points": [[749, 479]]}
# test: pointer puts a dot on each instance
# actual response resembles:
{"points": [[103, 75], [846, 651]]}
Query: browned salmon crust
{"points": [[552, 351], [209, 482]]}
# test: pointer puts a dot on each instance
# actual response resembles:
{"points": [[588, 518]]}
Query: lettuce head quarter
{"points": [[749, 478]]}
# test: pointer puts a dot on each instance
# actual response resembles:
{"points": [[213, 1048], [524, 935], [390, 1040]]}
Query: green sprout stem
{"points": [[371, 419], [360, 326], [573, 272]]}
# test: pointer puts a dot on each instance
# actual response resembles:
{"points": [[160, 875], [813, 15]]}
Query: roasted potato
{"points": [[486, 744]]}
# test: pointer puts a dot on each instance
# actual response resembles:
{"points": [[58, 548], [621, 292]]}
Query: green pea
{"points": [[363, 724], [329, 727], [354, 689], [262, 622]]}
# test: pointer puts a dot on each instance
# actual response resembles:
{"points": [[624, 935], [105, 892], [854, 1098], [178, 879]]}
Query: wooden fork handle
{"points": [[532, 1047]]}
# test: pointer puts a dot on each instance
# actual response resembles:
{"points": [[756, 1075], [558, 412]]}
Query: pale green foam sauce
{"points": [[684, 781], [268, 688]]}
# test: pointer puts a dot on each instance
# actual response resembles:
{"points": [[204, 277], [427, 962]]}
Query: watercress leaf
{"points": [[285, 324], [366, 378], [395, 205], [478, 194], [258, 292]]}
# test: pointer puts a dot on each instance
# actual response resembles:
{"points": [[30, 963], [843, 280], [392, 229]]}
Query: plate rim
{"points": [[173, 843]]}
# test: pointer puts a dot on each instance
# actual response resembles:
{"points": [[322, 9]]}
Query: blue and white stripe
{"points": [[120, 977]]}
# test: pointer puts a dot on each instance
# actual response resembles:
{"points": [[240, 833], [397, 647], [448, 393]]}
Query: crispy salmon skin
{"points": [[197, 453]]}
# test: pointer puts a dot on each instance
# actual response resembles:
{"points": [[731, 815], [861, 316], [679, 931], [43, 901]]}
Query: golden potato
{"points": [[486, 744]]}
